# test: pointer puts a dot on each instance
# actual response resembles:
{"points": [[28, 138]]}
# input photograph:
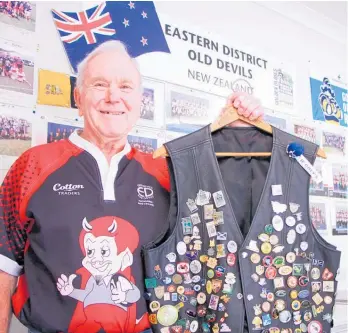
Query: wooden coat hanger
{"points": [[229, 116]]}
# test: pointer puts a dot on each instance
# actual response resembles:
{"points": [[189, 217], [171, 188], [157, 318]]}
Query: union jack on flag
{"points": [[135, 23], [85, 25]]}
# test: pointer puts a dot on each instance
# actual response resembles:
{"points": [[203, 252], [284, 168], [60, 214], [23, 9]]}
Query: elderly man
{"points": [[75, 213]]}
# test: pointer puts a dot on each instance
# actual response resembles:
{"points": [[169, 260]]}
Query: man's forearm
{"points": [[7, 286]]}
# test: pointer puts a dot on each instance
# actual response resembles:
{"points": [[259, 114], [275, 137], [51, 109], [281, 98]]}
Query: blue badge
{"points": [[294, 149], [266, 319], [303, 294], [167, 280]]}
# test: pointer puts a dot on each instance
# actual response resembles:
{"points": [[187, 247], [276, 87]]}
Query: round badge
{"points": [[303, 327], [263, 237], [209, 287], [266, 248], [285, 316], [271, 272], [304, 246], [201, 311], [154, 306], [307, 316], [315, 273], [183, 267], [290, 257], [170, 269], [203, 258], [181, 248], [196, 279], [255, 258], [268, 229], [279, 261], [171, 256], [315, 327], [171, 288], [239, 296], [266, 306], [291, 236], [231, 259], [277, 223], [187, 240], [301, 228], [292, 281], [303, 281], [210, 273], [290, 221], [197, 287], [167, 315], [195, 266], [232, 246], [274, 240], [328, 299], [194, 326], [180, 290], [274, 330], [279, 305], [270, 297], [296, 305], [177, 279], [275, 313], [297, 330], [267, 261], [201, 298], [285, 270], [293, 294]]}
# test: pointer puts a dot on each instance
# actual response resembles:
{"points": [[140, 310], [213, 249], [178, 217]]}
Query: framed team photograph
{"points": [[319, 216], [334, 143], [340, 219], [15, 135], [152, 104], [16, 68], [319, 189], [305, 132], [187, 110], [339, 185], [20, 14], [145, 140], [57, 132]]}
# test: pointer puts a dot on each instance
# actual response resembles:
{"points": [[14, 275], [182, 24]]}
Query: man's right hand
{"points": [[7, 286], [65, 285]]}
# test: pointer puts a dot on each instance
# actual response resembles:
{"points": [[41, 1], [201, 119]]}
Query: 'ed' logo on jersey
{"points": [[145, 195], [67, 189]]}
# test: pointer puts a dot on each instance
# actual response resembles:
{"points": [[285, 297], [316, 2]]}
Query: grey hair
{"points": [[111, 45]]}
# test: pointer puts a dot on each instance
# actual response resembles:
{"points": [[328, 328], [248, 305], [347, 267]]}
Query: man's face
{"points": [[110, 97]]}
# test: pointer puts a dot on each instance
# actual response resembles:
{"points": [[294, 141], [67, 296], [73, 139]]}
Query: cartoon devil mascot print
{"points": [[107, 298]]}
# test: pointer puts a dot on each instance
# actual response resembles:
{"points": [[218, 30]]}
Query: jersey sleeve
{"points": [[12, 225]]}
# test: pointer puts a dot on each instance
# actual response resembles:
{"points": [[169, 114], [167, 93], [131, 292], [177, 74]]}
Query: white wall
{"points": [[287, 30]]}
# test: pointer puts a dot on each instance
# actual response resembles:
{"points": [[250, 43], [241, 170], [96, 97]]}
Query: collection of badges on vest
{"points": [[205, 277]]}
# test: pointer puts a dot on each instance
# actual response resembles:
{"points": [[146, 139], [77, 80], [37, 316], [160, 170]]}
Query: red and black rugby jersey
{"points": [[72, 228]]}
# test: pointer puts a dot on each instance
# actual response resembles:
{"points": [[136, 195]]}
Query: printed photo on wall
{"points": [[16, 68], [15, 135], [275, 121], [306, 133], [319, 189], [57, 132], [186, 113], [283, 85], [144, 144], [334, 143], [147, 109], [21, 14], [340, 219], [339, 188], [318, 216]]}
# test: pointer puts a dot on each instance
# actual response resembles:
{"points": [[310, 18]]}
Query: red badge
{"points": [[271, 272], [231, 259], [327, 275]]}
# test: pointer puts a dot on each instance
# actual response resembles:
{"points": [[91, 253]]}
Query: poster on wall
{"points": [[57, 132], [334, 143], [16, 72], [319, 216], [20, 14], [319, 189], [277, 122], [15, 135], [177, 52], [283, 84], [329, 101], [146, 140], [340, 219]]}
